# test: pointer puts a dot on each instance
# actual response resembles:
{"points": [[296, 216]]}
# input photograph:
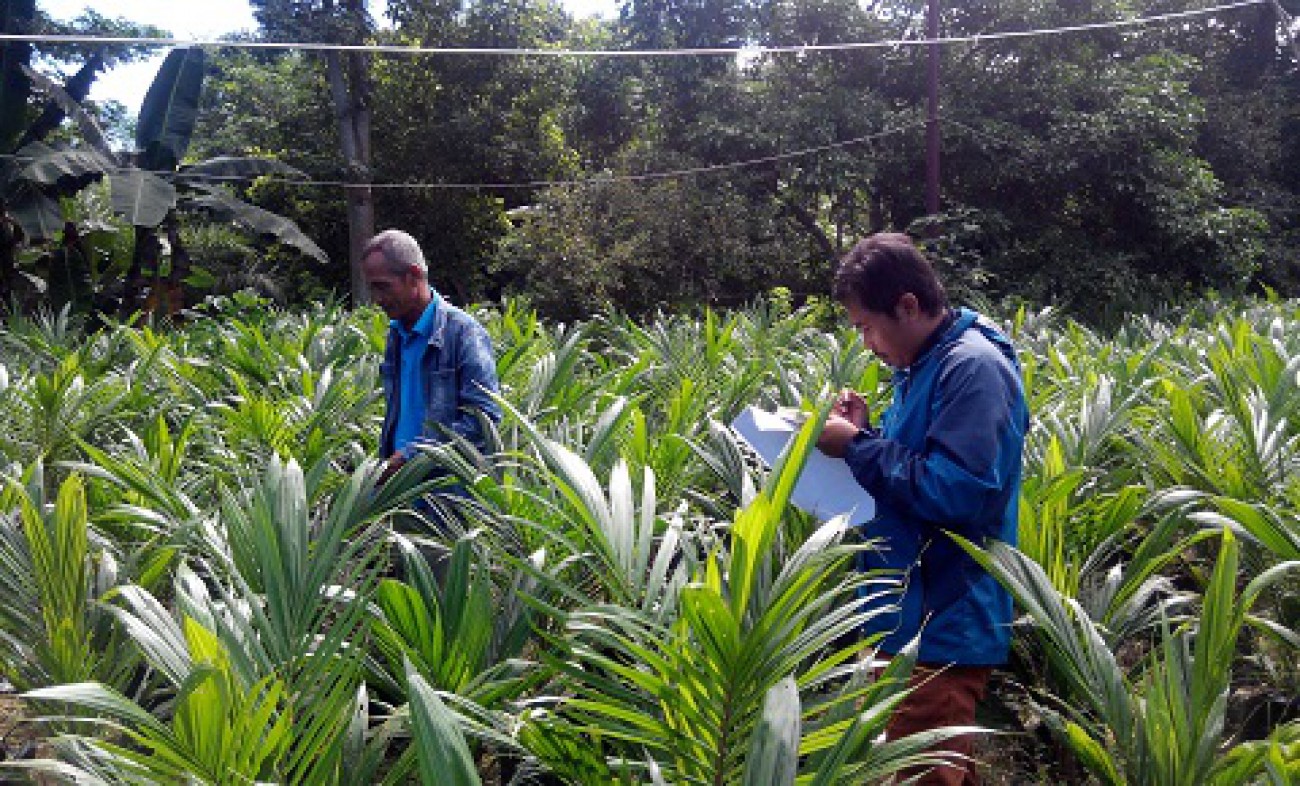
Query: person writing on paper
{"points": [[944, 457]]}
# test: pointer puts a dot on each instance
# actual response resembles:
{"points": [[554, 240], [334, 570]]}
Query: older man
{"points": [[439, 370]]}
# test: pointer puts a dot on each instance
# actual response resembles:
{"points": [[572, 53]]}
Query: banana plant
{"points": [[149, 185], [31, 205]]}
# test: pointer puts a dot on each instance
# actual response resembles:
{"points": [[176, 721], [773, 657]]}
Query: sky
{"points": [[199, 19]]}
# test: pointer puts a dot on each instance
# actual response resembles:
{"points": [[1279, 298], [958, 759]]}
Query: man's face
{"points": [[398, 294], [892, 338]]}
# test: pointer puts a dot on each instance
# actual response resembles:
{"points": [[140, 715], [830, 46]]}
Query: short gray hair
{"points": [[399, 249]]}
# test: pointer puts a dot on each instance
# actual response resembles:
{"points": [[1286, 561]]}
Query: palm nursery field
{"points": [[200, 582]]}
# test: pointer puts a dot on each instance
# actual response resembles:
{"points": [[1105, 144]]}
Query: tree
{"points": [[351, 90], [278, 105], [1085, 146], [471, 120], [643, 246], [1100, 168]]}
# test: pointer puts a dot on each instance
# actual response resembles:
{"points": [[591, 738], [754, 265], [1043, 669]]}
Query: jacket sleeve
{"points": [[478, 379], [967, 462]]}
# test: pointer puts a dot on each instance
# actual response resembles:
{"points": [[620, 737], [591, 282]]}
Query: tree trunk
{"points": [[11, 239], [144, 257], [830, 250], [350, 91], [178, 271]]}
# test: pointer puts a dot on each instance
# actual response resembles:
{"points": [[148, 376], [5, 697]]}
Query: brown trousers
{"points": [[942, 697]]}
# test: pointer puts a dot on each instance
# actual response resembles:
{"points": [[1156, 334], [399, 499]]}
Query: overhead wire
{"points": [[536, 184], [728, 51], [565, 52]]}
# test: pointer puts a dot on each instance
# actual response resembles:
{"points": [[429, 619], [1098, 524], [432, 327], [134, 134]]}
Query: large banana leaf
{"points": [[64, 167], [238, 168], [258, 220], [140, 198], [40, 216], [64, 102], [170, 109]]}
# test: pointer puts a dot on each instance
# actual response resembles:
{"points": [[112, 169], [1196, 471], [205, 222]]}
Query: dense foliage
{"points": [[202, 584], [1100, 171]]}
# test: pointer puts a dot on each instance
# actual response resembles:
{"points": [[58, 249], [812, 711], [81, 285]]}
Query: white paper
{"points": [[826, 488]]}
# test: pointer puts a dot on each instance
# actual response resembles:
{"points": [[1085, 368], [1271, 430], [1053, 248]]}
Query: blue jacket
{"points": [[459, 369], [947, 456]]}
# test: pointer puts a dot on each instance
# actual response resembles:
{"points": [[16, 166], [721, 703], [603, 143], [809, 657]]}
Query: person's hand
{"points": [[852, 408], [395, 463], [836, 436]]}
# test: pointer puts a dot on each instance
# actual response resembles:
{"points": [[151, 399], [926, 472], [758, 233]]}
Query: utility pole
{"points": [[932, 120]]}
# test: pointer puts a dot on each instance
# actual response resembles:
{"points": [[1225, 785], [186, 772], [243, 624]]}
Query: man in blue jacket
{"points": [[945, 457], [439, 370]]}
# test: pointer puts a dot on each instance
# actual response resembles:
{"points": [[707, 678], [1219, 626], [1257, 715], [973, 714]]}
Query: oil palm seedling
{"points": [[1166, 725], [268, 631], [735, 679], [56, 570]]}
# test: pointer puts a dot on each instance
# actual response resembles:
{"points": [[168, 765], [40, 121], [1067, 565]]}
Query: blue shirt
{"points": [[413, 342], [451, 378]]}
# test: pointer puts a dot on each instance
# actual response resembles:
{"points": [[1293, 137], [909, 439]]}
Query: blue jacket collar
{"points": [[957, 321], [432, 323]]}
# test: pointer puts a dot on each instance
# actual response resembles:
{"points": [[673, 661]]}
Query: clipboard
{"points": [[826, 488]]}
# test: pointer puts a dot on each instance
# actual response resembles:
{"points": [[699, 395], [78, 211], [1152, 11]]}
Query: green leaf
{"points": [[170, 109], [62, 166], [408, 618], [1095, 757], [72, 107], [263, 222], [712, 623], [445, 759], [200, 278], [41, 217], [1270, 529], [140, 198], [774, 748], [102, 699]]}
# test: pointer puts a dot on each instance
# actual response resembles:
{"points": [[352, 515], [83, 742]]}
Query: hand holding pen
{"points": [[848, 416], [852, 407]]}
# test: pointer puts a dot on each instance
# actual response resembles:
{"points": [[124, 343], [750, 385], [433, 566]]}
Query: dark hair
{"points": [[881, 269]]}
